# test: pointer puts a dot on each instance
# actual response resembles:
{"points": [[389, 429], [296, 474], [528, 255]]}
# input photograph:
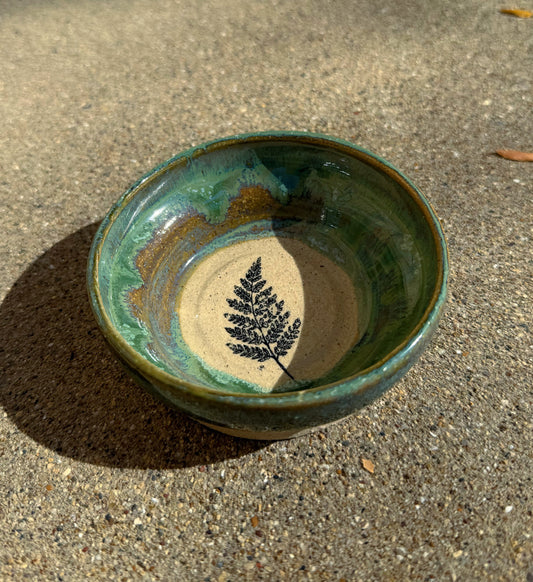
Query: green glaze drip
{"points": [[210, 188]]}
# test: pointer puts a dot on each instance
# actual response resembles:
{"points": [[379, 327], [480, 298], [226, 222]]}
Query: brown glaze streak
{"points": [[253, 201]]}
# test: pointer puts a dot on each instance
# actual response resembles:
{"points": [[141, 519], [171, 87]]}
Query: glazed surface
{"points": [[329, 201]]}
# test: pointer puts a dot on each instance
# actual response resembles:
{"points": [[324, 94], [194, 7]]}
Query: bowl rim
{"points": [[386, 367]]}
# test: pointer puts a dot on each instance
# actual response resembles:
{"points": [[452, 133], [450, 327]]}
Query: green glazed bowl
{"points": [[267, 284]]}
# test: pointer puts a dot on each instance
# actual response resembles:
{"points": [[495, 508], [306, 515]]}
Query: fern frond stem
{"points": [[273, 355]]}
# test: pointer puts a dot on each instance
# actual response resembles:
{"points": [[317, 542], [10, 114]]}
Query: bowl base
{"points": [[273, 435]]}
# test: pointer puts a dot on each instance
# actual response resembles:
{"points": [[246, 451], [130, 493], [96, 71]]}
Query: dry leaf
{"points": [[368, 465], [517, 12], [515, 155], [255, 521]]}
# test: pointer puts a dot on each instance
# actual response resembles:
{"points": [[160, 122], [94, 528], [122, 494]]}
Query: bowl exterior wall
{"points": [[275, 421]]}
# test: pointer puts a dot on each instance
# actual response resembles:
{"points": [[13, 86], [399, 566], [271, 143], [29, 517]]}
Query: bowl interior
{"points": [[268, 264]]}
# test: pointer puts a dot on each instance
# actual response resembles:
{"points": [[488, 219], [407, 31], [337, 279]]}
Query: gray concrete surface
{"points": [[100, 481]]}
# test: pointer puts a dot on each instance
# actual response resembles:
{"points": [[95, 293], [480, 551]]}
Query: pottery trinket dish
{"points": [[270, 283]]}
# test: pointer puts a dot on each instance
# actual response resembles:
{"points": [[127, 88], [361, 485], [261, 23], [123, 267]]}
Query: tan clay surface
{"points": [[314, 289]]}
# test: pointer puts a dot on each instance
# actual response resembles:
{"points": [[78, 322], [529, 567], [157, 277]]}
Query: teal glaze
{"points": [[338, 199]]}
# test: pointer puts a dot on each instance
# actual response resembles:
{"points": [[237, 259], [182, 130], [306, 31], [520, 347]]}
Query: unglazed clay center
{"points": [[313, 288]]}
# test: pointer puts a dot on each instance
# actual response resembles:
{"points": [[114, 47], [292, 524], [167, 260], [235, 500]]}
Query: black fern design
{"points": [[261, 324]]}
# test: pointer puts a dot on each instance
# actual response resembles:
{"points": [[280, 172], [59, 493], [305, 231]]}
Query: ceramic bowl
{"points": [[268, 284]]}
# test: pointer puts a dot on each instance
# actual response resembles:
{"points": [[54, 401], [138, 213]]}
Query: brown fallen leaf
{"points": [[517, 12], [516, 155], [368, 465]]}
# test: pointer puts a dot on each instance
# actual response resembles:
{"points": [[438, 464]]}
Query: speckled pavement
{"points": [[99, 481]]}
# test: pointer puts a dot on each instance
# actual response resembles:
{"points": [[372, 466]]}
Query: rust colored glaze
{"points": [[253, 201]]}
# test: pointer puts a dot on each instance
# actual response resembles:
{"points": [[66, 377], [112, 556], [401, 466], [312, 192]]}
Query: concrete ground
{"points": [[98, 479]]}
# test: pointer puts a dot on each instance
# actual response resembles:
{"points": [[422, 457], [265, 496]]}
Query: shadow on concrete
{"points": [[62, 387]]}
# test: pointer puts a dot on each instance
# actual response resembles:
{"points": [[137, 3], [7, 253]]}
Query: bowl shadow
{"points": [[61, 386]]}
